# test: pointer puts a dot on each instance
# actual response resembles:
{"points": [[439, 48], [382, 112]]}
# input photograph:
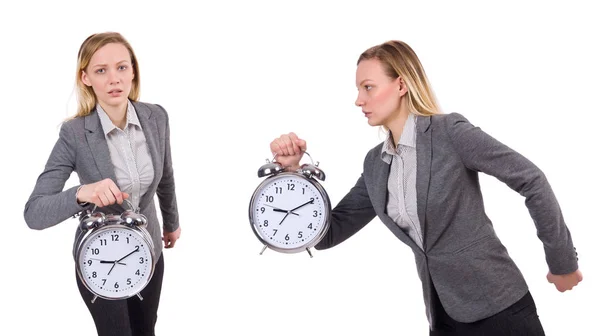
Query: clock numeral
{"points": [[266, 223], [274, 232], [291, 186], [128, 281], [95, 251], [103, 242], [89, 262], [94, 275], [287, 237], [300, 234], [312, 200], [310, 226], [103, 282], [262, 210], [116, 285], [137, 272], [115, 237], [269, 198], [141, 260], [127, 239], [315, 212], [279, 190], [302, 191]]}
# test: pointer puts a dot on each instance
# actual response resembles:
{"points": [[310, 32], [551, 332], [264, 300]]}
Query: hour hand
{"points": [[276, 209], [111, 262], [107, 261], [284, 211]]}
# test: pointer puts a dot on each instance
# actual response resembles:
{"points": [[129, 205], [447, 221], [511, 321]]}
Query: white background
{"points": [[234, 75]]}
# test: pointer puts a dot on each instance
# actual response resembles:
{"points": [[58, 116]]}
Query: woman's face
{"points": [[378, 95], [110, 74]]}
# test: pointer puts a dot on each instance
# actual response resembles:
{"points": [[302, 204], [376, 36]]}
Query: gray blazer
{"points": [[462, 259], [82, 147]]}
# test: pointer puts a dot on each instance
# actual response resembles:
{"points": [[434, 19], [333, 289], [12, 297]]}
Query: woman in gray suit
{"points": [[120, 149], [422, 183]]}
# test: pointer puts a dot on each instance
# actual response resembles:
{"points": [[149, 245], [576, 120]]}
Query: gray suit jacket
{"points": [[82, 147], [463, 259]]}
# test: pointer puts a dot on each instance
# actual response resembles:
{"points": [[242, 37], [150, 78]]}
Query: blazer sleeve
{"points": [[481, 152], [166, 187], [351, 214], [48, 204]]}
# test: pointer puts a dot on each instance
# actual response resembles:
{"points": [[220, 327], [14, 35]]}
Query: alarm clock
{"points": [[290, 211], [114, 254]]}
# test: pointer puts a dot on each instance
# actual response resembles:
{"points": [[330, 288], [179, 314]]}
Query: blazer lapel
{"points": [[151, 133], [98, 146], [381, 173], [424, 153]]}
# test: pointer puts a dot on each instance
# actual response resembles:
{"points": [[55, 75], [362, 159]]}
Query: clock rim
{"points": [[320, 234], [109, 227]]}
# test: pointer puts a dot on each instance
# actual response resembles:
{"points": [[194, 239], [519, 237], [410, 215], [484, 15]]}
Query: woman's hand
{"points": [[102, 193], [565, 282], [289, 150], [169, 238]]}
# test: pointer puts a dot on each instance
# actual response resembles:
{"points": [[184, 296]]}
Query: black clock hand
{"points": [[110, 262], [284, 217], [111, 268], [116, 261], [130, 253], [300, 206], [281, 210]]}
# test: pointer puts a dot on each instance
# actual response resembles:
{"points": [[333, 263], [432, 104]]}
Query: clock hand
{"points": [[280, 210], [300, 206], [110, 262], [111, 268], [117, 261], [284, 217], [130, 253]]}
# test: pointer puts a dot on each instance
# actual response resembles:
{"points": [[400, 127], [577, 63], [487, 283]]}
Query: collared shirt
{"points": [[129, 154], [402, 182]]}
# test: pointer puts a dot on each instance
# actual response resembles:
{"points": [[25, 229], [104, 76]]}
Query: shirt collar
{"points": [[407, 138], [108, 126]]}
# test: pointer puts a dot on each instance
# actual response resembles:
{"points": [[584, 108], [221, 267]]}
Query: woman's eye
{"points": [[122, 67], [100, 71]]}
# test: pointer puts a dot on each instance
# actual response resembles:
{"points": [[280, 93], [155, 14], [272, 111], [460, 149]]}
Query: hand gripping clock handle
{"points": [[310, 157], [125, 200]]}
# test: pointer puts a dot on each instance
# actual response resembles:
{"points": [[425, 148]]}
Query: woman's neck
{"points": [[396, 124], [116, 114]]}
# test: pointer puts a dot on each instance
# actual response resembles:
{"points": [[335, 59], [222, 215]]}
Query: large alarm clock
{"points": [[114, 254], [289, 211]]}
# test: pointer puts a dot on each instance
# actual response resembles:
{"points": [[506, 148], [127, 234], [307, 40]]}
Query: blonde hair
{"points": [[399, 60], [86, 98]]}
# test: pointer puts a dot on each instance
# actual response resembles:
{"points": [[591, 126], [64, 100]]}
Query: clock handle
{"points": [[140, 296], [310, 157], [125, 200], [131, 205], [309, 253]]}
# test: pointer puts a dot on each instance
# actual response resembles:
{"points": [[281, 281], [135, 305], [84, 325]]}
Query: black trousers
{"points": [[519, 319], [131, 317]]}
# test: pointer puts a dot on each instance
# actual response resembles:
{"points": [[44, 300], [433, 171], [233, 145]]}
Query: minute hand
{"points": [[300, 206], [130, 253]]}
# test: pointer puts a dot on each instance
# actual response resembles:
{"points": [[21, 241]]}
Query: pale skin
{"points": [[383, 102], [110, 74]]}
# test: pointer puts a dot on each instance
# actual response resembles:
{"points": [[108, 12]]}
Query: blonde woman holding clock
{"points": [[120, 149]]}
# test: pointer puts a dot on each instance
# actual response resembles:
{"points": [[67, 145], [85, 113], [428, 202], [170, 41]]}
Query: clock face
{"points": [[288, 212], [115, 262]]}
